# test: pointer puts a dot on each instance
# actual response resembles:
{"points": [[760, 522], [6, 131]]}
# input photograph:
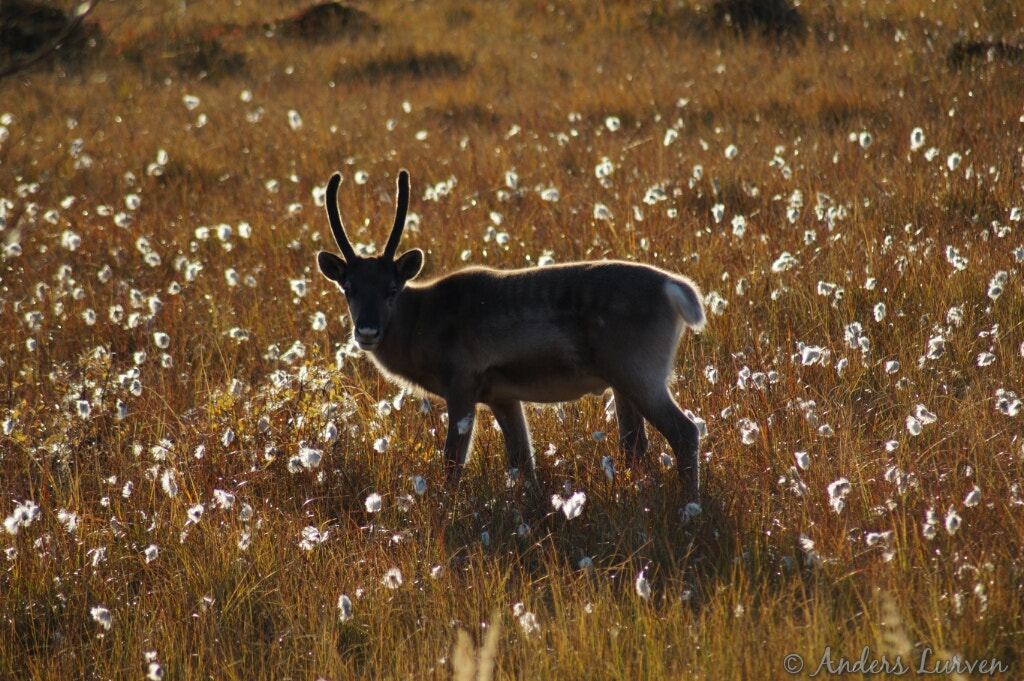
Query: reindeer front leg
{"points": [[461, 419], [518, 449]]}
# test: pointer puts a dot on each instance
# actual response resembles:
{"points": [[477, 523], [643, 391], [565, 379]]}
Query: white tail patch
{"points": [[686, 299]]}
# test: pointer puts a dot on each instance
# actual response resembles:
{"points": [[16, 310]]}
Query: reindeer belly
{"points": [[547, 381]]}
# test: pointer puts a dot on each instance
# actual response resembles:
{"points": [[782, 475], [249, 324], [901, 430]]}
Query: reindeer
{"points": [[501, 338]]}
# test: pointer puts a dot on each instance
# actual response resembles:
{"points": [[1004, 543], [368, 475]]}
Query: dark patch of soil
{"points": [[768, 18], [963, 52], [778, 21], [324, 22], [213, 51], [28, 27]]}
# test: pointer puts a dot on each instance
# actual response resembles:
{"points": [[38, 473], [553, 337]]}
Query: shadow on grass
{"points": [[621, 532], [406, 64], [208, 53]]}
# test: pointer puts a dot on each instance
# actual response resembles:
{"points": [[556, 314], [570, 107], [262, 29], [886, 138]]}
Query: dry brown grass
{"points": [[471, 91]]}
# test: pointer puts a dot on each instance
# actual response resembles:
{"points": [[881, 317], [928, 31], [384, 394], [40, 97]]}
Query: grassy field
{"points": [[198, 470]]}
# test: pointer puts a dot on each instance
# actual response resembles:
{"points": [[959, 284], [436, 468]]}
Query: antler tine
{"points": [[337, 228], [401, 209]]}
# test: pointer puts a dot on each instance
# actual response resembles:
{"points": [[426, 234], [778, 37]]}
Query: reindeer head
{"points": [[371, 285]]}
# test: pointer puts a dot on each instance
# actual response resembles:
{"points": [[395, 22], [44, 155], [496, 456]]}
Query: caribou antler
{"points": [[401, 209], [337, 228]]}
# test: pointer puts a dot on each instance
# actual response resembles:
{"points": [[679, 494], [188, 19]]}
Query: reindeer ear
{"points": [[409, 264], [332, 267]]}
